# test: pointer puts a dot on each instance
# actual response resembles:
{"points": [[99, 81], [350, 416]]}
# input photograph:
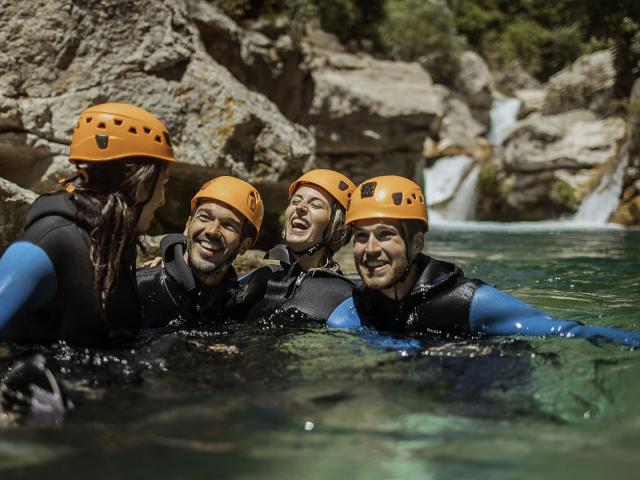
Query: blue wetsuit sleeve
{"points": [[27, 281], [496, 313], [344, 315]]}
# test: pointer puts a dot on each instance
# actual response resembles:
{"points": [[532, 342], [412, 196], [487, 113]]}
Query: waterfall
{"points": [[450, 188], [598, 205], [504, 113], [450, 183]]}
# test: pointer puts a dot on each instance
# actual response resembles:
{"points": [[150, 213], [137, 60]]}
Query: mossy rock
{"points": [[563, 194]]}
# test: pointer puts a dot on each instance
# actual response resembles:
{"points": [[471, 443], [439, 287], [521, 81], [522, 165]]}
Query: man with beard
{"points": [[195, 282], [406, 291]]}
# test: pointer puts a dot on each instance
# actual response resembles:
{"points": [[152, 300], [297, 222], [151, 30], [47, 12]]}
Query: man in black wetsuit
{"points": [[406, 291], [195, 282]]}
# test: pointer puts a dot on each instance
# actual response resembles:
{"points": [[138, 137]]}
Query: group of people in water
{"points": [[72, 274]]}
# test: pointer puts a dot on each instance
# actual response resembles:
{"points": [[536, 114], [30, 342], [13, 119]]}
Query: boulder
{"points": [[531, 100], [548, 164], [460, 132], [588, 83], [266, 57], [628, 211], [72, 55], [371, 116], [475, 83], [14, 204], [572, 140]]}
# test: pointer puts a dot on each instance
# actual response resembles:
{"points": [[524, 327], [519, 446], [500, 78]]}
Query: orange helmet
{"points": [[338, 186], [237, 194], [118, 130], [388, 196]]}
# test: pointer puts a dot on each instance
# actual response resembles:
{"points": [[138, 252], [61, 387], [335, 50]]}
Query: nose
{"points": [[212, 228], [372, 247], [302, 207]]}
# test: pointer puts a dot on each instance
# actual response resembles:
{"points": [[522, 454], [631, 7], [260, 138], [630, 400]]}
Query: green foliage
{"points": [[542, 35], [422, 30], [351, 20]]}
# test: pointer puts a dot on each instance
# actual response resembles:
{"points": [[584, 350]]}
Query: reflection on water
{"points": [[271, 401]]}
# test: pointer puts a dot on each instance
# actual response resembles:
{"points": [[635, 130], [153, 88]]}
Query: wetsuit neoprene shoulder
{"points": [[287, 290], [171, 292], [451, 304], [46, 281]]}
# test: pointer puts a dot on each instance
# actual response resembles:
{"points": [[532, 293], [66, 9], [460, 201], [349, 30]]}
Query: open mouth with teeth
{"points": [[374, 265], [209, 247], [300, 224]]}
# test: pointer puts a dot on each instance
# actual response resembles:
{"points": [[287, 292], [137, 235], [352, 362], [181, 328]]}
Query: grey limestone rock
{"points": [[149, 53]]}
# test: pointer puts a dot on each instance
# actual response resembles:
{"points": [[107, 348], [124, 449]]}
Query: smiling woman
{"points": [[307, 284]]}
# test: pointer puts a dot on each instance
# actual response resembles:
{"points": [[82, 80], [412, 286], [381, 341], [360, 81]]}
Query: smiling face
{"points": [[380, 253], [307, 217], [214, 234]]}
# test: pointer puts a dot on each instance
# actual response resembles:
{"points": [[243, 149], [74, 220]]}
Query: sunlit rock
{"points": [[588, 83]]}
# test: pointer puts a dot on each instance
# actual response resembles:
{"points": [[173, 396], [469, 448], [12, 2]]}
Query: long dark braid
{"points": [[111, 195]]}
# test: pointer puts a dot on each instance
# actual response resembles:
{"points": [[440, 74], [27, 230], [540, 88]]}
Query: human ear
{"points": [[244, 246], [417, 244]]}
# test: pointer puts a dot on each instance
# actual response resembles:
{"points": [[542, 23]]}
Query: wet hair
{"points": [[413, 227], [337, 234], [111, 196]]}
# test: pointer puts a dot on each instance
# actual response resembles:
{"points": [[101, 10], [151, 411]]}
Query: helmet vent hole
{"points": [[102, 125], [133, 130], [397, 198], [167, 138], [421, 199], [409, 201], [88, 119], [117, 121], [147, 130], [367, 189], [414, 196], [77, 125], [342, 186], [158, 139]]}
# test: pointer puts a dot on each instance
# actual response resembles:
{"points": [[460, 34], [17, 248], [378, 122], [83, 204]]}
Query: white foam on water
{"points": [[437, 223]]}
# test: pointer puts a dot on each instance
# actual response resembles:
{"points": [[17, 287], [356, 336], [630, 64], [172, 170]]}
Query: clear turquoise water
{"points": [[291, 403]]}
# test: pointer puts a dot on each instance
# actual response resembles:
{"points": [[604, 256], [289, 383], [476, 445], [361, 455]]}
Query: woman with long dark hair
{"points": [[71, 275]]}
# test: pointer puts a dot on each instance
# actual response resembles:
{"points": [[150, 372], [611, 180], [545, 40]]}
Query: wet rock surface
{"points": [[14, 204], [370, 117]]}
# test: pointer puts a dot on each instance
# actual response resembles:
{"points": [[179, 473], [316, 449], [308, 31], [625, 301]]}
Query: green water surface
{"points": [[270, 402]]}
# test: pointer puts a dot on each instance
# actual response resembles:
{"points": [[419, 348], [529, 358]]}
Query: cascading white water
{"points": [[504, 113], [450, 188], [451, 182], [598, 205]]}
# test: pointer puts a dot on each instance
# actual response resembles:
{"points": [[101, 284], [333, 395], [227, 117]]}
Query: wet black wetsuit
{"points": [[444, 301], [288, 290], [48, 275], [438, 303], [171, 292]]}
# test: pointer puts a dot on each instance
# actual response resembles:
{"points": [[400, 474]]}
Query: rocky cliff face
{"points": [[268, 100], [72, 55]]}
